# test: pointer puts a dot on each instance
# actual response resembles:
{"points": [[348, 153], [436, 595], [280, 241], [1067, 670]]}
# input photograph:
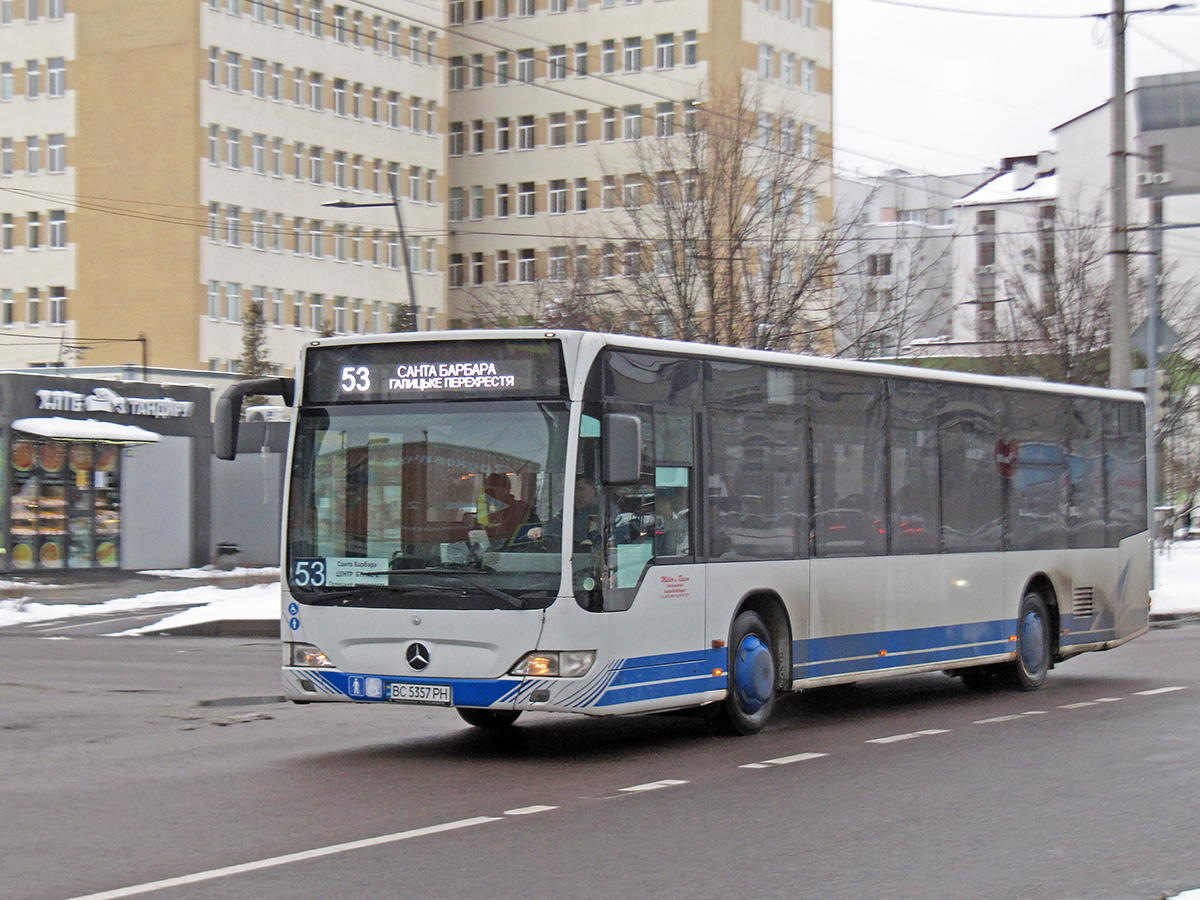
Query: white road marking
{"points": [[995, 719], [782, 760], [272, 862], [1163, 690], [1079, 705], [1109, 699], [528, 810], [653, 785], [907, 737], [799, 757]]}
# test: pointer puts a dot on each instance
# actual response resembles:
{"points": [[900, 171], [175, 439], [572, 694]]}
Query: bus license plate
{"points": [[430, 694]]}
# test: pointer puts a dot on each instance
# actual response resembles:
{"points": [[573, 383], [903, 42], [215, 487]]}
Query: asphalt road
{"points": [[126, 762]]}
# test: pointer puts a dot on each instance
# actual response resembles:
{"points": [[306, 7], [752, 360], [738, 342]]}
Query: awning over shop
{"points": [[85, 430]]}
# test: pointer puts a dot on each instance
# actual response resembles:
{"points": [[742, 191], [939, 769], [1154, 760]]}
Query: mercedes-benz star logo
{"points": [[417, 656]]}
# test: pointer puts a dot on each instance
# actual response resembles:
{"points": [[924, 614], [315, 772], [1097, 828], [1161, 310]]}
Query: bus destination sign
{"points": [[462, 370]]}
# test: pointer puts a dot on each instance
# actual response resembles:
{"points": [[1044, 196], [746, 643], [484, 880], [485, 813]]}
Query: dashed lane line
{"points": [[1161, 690], [653, 786], [895, 738], [782, 761], [528, 810]]}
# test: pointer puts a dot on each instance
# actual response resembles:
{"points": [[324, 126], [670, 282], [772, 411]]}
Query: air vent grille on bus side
{"points": [[1084, 602]]}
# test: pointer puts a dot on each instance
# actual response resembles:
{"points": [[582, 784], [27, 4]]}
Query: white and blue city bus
{"points": [[573, 522]]}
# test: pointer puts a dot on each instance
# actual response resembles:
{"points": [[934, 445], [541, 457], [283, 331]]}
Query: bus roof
{"points": [[589, 343]]}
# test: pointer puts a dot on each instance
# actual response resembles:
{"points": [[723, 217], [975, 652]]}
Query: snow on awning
{"points": [[85, 430]]}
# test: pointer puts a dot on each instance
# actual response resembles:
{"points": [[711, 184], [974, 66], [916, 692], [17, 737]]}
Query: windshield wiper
{"points": [[457, 572]]}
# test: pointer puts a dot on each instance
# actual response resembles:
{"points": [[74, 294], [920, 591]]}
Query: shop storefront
{"points": [[102, 474]]}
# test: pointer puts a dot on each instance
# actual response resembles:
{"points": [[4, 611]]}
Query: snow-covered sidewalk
{"points": [[1177, 580]]}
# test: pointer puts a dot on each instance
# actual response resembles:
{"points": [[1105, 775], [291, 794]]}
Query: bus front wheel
{"points": [[751, 695], [1033, 643], [492, 719]]}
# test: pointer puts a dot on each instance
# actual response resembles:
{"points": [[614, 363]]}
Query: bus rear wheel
{"points": [[1032, 664], [491, 719], [751, 695]]}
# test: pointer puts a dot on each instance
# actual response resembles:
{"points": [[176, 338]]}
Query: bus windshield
{"points": [[425, 505]]}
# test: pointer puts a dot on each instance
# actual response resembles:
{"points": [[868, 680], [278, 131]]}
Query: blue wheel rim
{"points": [[754, 674], [1033, 642]]}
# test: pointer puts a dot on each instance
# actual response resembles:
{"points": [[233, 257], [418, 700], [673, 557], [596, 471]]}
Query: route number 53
{"points": [[309, 573], [356, 379]]}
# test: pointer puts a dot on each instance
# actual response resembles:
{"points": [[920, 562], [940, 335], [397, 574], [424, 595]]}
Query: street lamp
{"points": [[395, 205]]}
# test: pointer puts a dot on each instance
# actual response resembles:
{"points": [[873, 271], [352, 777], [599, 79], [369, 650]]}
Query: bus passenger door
{"points": [[651, 575]]}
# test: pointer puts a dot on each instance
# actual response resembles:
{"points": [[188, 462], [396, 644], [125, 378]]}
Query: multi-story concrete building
{"points": [[549, 100], [164, 165], [895, 271]]}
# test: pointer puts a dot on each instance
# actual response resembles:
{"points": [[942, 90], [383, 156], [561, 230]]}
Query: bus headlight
{"points": [[555, 663], [306, 656]]}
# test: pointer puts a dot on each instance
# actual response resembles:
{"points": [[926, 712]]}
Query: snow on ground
{"points": [[259, 603], [23, 611], [1177, 579], [210, 572]]}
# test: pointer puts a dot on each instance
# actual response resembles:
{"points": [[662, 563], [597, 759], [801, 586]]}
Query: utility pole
{"points": [[1119, 356]]}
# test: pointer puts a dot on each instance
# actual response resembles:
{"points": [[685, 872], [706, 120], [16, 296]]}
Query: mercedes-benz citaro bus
{"points": [[508, 521]]}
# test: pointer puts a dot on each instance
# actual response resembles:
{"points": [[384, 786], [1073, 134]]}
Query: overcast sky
{"points": [[939, 91]]}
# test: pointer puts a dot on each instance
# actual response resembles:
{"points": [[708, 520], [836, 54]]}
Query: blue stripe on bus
{"points": [[873, 651], [661, 689]]}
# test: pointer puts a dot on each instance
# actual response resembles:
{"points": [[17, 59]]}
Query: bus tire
{"points": [[1034, 648], [751, 694], [491, 719]]}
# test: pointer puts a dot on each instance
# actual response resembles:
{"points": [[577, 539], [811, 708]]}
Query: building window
{"points": [[477, 136], [808, 75], [503, 201], [233, 302], [503, 134], [690, 48], [633, 55], [632, 122], [581, 195], [526, 266], [33, 311], [608, 130], [316, 167], [58, 229], [526, 199], [456, 137], [316, 91], [6, 81], [456, 270], [33, 82], [7, 156], [664, 51], [258, 153], [557, 59], [503, 271], [33, 145], [477, 272], [608, 57], [454, 203], [233, 225], [557, 268], [787, 72], [581, 59], [56, 154], [664, 119], [58, 305], [458, 73], [558, 129], [477, 201], [339, 97], [258, 78], [7, 232], [525, 65], [503, 63], [233, 148], [33, 222], [476, 70], [558, 196], [608, 192], [526, 133], [766, 59], [233, 71], [56, 77]]}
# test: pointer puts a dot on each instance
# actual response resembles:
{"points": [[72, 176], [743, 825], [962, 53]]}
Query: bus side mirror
{"points": [[622, 449], [228, 415]]}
